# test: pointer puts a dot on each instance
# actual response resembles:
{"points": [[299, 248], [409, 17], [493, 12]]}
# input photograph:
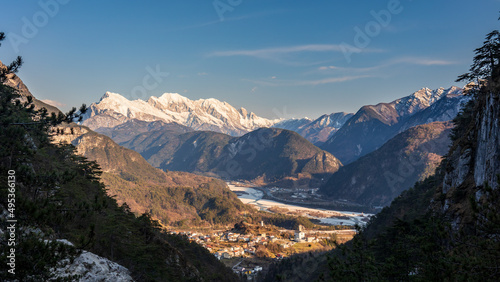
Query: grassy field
{"points": [[307, 247]]}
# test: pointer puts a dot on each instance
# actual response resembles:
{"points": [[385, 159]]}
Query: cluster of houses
{"points": [[240, 245], [226, 245]]}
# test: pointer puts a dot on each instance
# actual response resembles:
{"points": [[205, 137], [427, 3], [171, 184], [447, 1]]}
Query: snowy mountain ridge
{"points": [[204, 114], [213, 115], [373, 125], [422, 99]]}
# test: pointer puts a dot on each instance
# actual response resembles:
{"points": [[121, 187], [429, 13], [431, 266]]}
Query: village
{"points": [[250, 253]]}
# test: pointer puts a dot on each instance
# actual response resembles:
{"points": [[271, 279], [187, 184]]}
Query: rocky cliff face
{"points": [[487, 162], [66, 133], [473, 162]]}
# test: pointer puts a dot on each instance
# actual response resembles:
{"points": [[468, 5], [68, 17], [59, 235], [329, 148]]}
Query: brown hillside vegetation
{"points": [[172, 197]]}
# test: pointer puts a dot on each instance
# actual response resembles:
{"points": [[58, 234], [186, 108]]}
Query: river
{"points": [[254, 197]]}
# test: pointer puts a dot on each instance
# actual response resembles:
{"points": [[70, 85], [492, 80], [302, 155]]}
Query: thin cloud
{"points": [[290, 55], [327, 68], [367, 69], [54, 103], [424, 61], [202, 73], [270, 52], [229, 19], [308, 82], [397, 61]]}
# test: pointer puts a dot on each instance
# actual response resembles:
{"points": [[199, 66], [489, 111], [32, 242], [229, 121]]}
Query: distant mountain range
{"points": [[173, 132], [203, 114], [316, 131], [345, 135], [267, 156], [372, 126]]}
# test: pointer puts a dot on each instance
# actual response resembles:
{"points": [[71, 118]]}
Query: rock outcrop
{"points": [[91, 267]]}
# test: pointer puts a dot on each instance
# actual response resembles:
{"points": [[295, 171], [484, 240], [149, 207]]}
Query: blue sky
{"points": [[275, 58]]}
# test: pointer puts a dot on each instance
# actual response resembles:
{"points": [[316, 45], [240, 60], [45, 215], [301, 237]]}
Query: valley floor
{"points": [[250, 251]]}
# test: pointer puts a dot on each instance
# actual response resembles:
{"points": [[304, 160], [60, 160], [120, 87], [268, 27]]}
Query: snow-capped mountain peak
{"points": [[173, 98], [422, 99], [112, 96], [335, 120]]}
